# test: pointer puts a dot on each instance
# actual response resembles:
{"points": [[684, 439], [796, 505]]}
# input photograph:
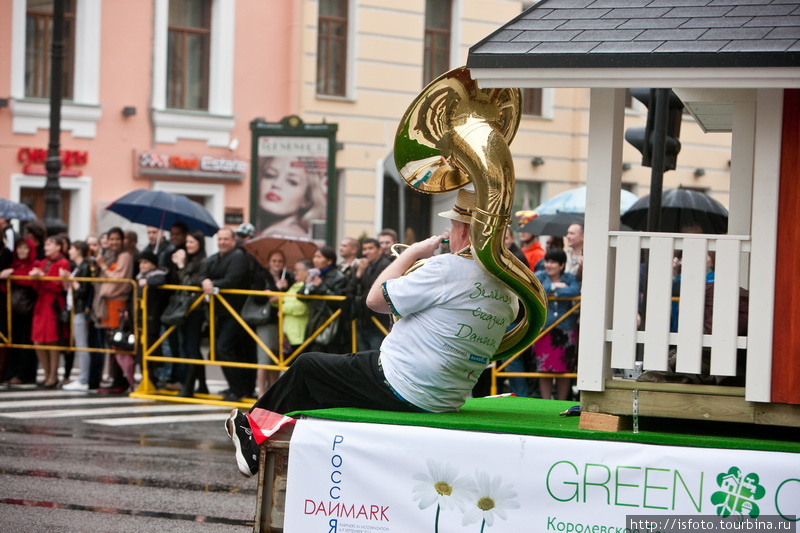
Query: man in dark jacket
{"points": [[229, 269], [369, 267]]}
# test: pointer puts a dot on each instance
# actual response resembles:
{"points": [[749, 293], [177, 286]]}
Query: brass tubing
{"points": [[454, 133]]}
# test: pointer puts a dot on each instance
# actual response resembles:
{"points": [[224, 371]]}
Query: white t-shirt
{"points": [[454, 316]]}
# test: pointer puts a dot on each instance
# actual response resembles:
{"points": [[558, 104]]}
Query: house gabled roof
{"points": [[575, 34]]}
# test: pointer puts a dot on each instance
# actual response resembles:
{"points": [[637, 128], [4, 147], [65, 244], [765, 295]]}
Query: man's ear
{"points": [[464, 230]]}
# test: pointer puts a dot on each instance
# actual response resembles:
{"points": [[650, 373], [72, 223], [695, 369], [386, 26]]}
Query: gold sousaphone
{"points": [[455, 133]]}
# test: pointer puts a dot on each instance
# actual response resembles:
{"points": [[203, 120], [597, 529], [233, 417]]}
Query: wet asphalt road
{"points": [[62, 473]]}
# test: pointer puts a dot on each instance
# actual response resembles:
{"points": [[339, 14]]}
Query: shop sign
{"points": [[34, 159], [189, 166]]}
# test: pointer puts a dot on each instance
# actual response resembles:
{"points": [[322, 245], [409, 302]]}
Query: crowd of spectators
{"points": [[559, 269], [90, 312]]}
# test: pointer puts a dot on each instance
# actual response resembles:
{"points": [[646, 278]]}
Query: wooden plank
{"points": [[617, 399], [777, 414], [606, 123], [626, 302], [786, 343], [769, 112], [605, 422], [659, 303], [725, 320], [683, 388], [741, 177], [669, 405], [690, 308], [273, 466], [679, 238]]}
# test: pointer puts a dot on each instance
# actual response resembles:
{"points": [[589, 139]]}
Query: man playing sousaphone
{"points": [[453, 317]]}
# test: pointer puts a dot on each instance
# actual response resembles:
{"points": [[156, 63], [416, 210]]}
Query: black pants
{"points": [[322, 380], [22, 362], [241, 381], [97, 339]]}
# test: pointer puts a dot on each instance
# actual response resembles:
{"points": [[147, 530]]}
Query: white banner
{"points": [[347, 477]]}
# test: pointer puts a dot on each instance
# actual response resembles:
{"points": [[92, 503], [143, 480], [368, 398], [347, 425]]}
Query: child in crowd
{"points": [[150, 274]]}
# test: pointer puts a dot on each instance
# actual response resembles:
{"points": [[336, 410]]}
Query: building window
{"points": [[332, 48], [438, 20], [532, 101], [38, 43], [406, 211], [208, 111], [188, 54]]}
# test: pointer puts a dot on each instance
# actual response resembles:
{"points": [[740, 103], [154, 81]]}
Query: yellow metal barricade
{"points": [[498, 370], [280, 361], [7, 338]]}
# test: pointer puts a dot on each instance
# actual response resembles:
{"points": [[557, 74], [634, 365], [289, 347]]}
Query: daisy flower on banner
{"points": [[442, 486], [492, 499]]}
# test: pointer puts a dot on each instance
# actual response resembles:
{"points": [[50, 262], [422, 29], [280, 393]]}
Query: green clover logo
{"points": [[739, 493]]}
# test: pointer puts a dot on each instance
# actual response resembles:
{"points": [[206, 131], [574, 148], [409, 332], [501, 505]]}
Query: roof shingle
{"points": [[646, 33]]}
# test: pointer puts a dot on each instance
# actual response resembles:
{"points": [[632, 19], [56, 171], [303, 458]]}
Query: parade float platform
{"points": [[362, 470]]}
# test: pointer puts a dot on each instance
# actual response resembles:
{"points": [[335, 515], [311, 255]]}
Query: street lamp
{"points": [[52, 191]]}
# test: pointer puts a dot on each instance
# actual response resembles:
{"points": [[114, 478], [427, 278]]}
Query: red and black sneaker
{"points": [[237, 426]]}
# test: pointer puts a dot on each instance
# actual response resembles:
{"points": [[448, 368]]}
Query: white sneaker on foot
{"points": [[76, 386]]}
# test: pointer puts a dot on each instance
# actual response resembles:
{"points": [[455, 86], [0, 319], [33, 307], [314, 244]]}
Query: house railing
{"points": [[642, 311]]}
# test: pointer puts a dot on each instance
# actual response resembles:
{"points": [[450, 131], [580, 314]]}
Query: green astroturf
{"points": [[533, 416]]}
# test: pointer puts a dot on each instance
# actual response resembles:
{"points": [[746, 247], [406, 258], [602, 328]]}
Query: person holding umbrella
{"points": [[9, 211], [274, 278], [9, 235]]}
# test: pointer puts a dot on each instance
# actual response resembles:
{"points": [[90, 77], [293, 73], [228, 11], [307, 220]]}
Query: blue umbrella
{"points": [[163, 210], [16, 211], [574, 201]]}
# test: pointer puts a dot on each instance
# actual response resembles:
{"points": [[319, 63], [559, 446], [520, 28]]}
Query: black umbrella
{"points": [[16, 211], [681, 210], [162, 210], [555, 225]]}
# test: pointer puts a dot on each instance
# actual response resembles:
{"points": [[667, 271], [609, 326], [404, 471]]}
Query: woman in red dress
{"points": [[46, 328]]}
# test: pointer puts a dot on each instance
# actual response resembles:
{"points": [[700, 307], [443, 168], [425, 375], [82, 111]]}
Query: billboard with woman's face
{"points": [[291, 194]]}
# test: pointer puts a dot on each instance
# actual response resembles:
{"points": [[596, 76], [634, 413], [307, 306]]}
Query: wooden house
{"points": [[736, 67]]}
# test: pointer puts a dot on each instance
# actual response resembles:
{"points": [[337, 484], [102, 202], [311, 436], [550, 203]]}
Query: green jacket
{"points": [[295, 315]]}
